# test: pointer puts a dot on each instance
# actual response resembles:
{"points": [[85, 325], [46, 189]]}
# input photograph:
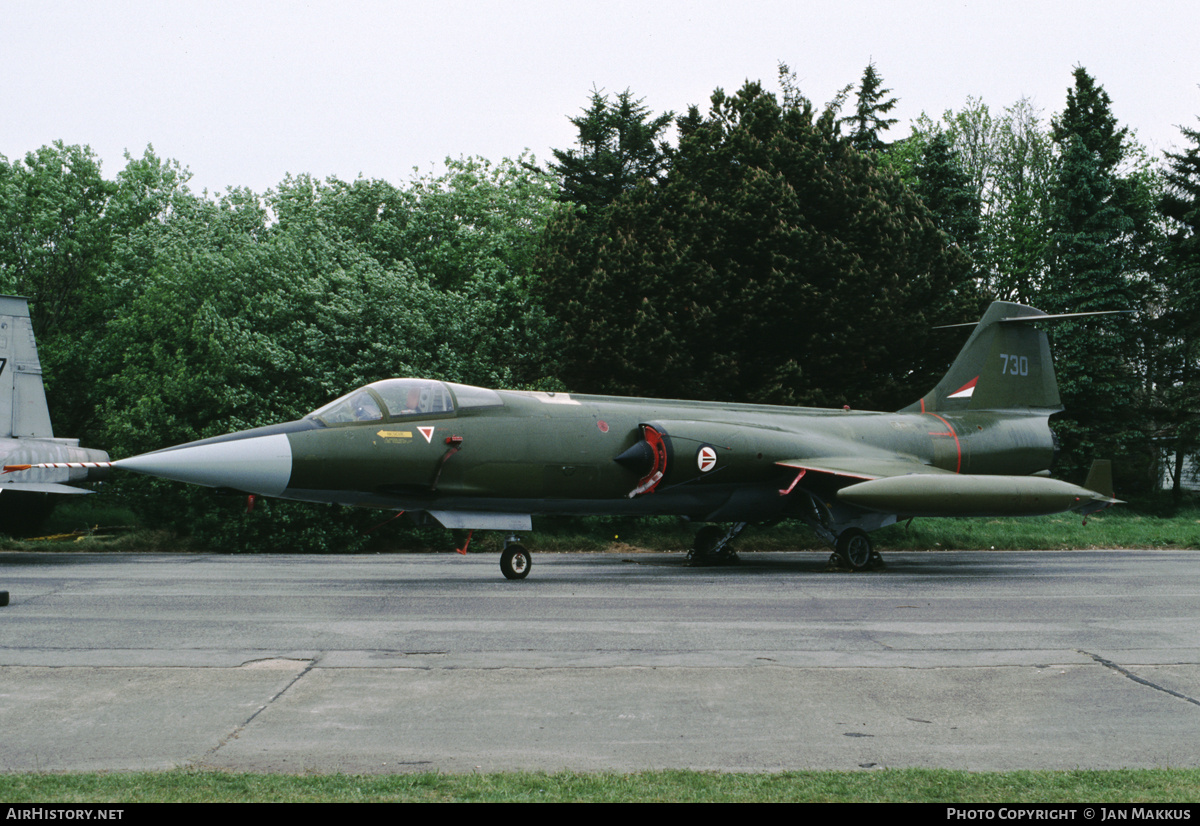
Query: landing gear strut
{"points": [[834, 524], [711, 546], [515, 561]]}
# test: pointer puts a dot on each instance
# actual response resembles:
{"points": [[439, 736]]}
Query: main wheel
{"points": [[704, 548], [706, 540], [854, 549], [515, 562]]}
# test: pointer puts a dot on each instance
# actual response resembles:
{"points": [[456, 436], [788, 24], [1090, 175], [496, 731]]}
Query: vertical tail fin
{"points": [[1005, 365], [23, 410]]}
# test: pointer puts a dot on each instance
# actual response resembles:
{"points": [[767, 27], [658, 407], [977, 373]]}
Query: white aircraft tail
{"points": [[35, 463], [23, 410]]}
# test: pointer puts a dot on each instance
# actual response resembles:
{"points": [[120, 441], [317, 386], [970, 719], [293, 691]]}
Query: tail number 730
{"points": [[1015, 365]]}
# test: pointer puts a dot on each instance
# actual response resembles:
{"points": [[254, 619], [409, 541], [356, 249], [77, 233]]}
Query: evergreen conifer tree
{"points": [[620, 144], [1097, 236], [1180, 403], [948, 192], [871, 104], [775, 263]]}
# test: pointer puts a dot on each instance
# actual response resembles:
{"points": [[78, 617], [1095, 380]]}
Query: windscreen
{"points": [[399, 399]]}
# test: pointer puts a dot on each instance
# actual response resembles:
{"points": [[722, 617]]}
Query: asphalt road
{"points": [[1081, 659]]}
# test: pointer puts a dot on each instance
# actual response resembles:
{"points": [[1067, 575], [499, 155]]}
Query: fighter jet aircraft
{"points": [[25, 432], [978, 444]]}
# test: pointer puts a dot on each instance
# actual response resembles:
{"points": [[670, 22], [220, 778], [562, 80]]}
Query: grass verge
{"points": [[887, 785]]}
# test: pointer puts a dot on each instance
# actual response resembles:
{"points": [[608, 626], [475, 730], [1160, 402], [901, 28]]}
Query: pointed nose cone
{"points": [[256, 464]]}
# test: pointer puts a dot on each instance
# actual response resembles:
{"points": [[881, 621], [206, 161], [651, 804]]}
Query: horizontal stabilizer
{"points": [[1036, 318], [41, 487]]}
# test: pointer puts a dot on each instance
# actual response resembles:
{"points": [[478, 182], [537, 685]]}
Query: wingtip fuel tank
{"points": [[953, 495]]}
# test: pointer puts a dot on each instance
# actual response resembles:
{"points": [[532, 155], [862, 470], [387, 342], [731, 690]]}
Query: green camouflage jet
{"points": [[978, 444]]}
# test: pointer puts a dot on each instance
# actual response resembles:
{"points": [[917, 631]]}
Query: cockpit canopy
{"points": [[404, 399]]}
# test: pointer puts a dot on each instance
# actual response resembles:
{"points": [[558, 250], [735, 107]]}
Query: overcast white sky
{"points": [[244, 92]]}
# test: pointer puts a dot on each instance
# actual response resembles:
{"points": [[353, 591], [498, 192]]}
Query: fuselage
{"points": [[466, 448]]}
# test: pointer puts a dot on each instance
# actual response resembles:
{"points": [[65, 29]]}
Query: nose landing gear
{"points": [[515, 560]]}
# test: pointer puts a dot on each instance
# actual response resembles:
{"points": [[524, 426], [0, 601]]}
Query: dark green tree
{"points": [[620, 144], [774, 264], [794, 98], [1088, 118], [948, 192], [871, 104], [1179, 398], [1099, 236]]}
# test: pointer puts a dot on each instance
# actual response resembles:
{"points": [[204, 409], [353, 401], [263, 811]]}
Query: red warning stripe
{"points": [[949, 432]]}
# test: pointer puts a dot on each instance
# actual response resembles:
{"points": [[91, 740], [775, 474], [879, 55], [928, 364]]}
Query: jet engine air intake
{"points": [[679, 452], [648, 457]]}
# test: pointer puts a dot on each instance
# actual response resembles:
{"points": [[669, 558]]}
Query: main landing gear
{"points": [[838, 527], [854, 550], [711, 546], [515, 560]]}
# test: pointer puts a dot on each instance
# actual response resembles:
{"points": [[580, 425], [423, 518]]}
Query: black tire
{"points": [[515, 562], [854, 549], [704, 547]]}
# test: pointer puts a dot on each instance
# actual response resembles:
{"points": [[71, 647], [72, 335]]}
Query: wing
{"points": [[863, 467]]}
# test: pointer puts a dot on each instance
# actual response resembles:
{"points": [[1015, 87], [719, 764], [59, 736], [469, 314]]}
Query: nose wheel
{"points": [[515, 562]]}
